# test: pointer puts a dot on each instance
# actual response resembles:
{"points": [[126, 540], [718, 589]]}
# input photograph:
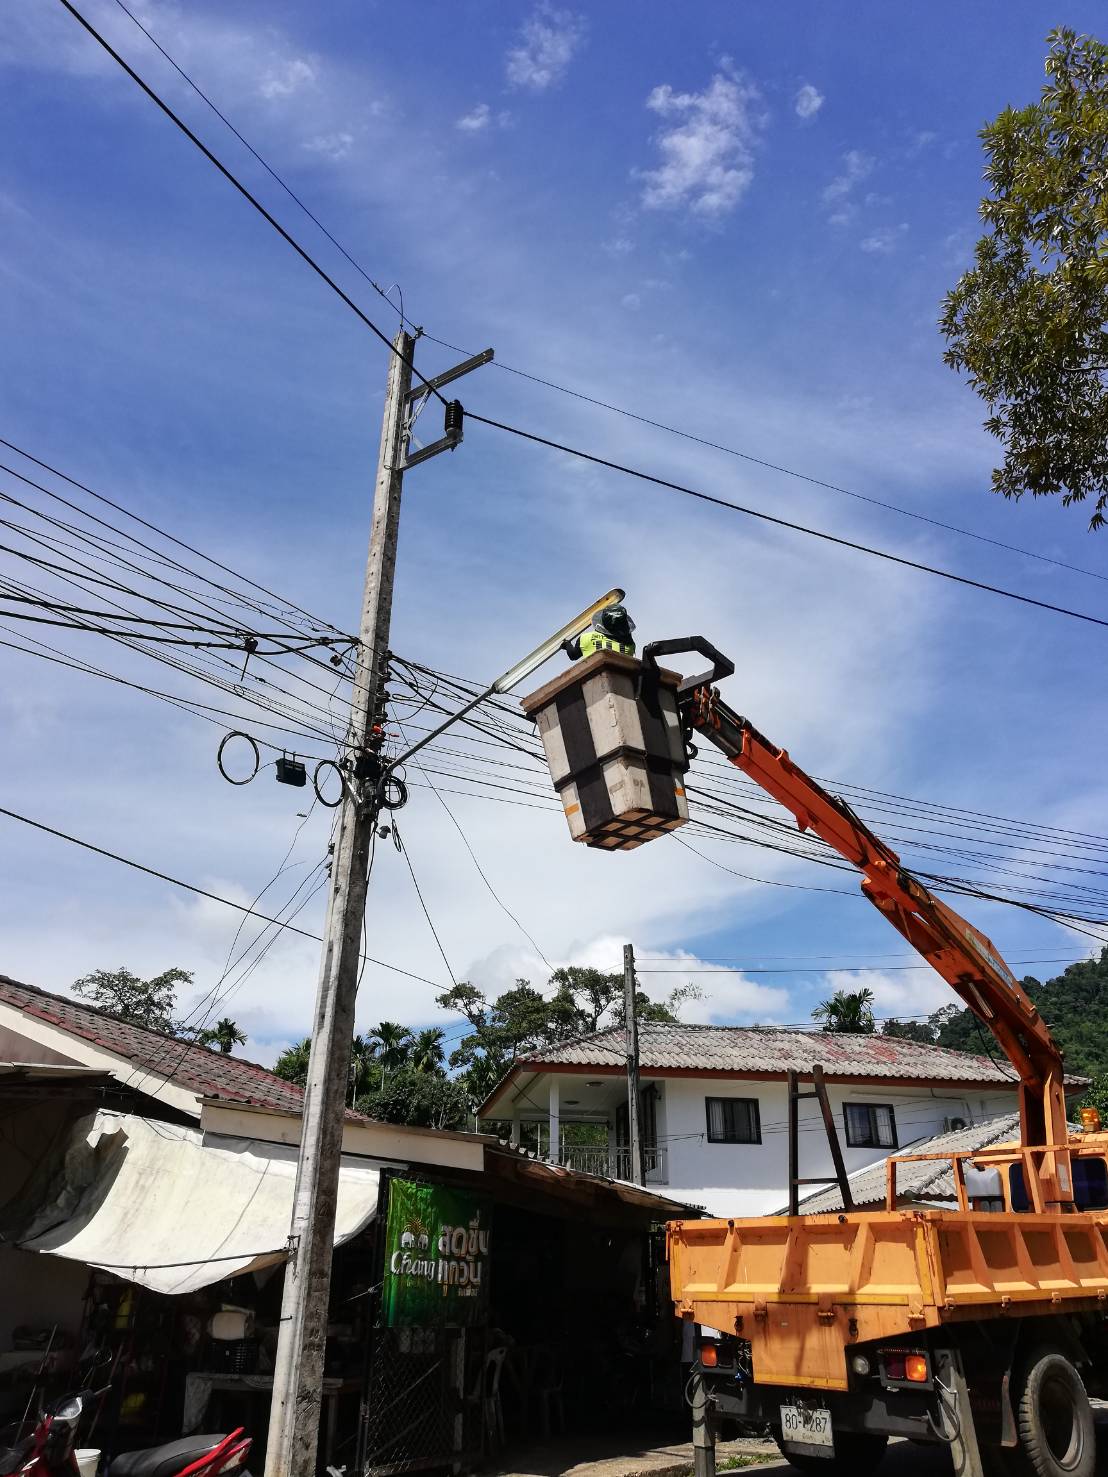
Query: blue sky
{"points": [[738, 220]]}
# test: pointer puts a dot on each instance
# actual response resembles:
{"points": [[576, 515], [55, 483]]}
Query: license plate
{"points": [[807, 1428]]}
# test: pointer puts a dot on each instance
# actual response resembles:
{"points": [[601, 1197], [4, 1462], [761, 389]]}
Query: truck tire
{"points": [[857, 1454], [1054, 1419]]}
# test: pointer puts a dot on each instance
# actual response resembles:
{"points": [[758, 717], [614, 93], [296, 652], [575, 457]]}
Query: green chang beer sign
{"points": [[436, 1256]]}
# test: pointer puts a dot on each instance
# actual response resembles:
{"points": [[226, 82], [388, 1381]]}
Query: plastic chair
{"points": [[491, 1396], [485, 1399], [547, 1389]]}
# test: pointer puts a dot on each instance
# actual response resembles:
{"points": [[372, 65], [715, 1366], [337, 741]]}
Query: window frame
{"points": [[755, 1109], [874, 1142]]}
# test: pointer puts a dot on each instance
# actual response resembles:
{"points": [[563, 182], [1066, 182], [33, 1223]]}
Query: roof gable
{"points": [[197, 1069]]}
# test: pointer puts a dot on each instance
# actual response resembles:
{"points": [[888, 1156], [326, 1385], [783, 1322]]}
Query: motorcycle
{"points": [[50, 1449]]}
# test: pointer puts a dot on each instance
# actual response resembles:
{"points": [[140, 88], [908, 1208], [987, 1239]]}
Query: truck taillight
{"points": [[709, 1354], [906, 1366]]}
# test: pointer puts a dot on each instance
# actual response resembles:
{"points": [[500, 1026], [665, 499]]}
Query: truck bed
{"points": [[804, 1289]]}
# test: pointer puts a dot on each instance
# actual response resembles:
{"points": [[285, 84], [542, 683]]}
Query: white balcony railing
{"points": [[615, 1164]]}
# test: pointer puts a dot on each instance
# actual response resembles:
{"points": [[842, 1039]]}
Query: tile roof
{"points": [[928, 1181], [206, 1072], [766, 1049]]}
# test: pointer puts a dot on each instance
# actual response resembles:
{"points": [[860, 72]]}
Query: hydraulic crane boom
{"points": [[960, 953]]}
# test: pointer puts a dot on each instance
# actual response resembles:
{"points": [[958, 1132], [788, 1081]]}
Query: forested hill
{"points": [[1074, 1005]]}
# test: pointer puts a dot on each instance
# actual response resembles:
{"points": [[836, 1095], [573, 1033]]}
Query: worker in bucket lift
{"points": [[610, 631]]}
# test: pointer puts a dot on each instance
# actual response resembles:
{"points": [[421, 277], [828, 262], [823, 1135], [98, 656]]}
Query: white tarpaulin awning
{"points": [[174, 1209]]}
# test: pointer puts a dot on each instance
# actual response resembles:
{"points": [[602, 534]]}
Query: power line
{"points": [[402, 848], [838, 969], [293, 196], [533, 436], [108, 615], [773, 518], [233, 180], [501, 904], [199, 891], [153, 527], [578, 394], [758, 461]]}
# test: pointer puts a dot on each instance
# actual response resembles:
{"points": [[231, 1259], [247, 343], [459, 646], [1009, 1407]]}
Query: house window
{"points": [[733, 1120], [869, 1126]]}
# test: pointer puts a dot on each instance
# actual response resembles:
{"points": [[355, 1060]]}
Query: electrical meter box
{"points": [[613, 742]]}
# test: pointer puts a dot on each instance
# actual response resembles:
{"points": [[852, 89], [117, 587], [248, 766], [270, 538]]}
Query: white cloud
{"points": [[618, 246], [913, 992], [708, 149], [288, 78], [481, 118], [475, 121], [856, 166], [632, 301], [547, 44], [808, 102], [884, 239], [330, 145]]}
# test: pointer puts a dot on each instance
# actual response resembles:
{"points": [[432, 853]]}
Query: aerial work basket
{"points": [[613, 742]]}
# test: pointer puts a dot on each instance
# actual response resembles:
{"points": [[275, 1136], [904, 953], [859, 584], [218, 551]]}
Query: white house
{"points": [[715, 1105]]}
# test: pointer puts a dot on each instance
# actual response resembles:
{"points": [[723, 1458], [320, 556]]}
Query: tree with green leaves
{"points": [[848, 1012], [148, 1003], [1028, 323], [425, 1099], [426, 1053], [390, 1045], [921, 1031], [225, 1034], [522, 1020], [292, 1064]]}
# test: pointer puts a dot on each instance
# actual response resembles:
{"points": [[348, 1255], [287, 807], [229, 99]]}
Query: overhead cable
{"points": [[579, 394], [200, 891], [251, 199], [772, 518]]}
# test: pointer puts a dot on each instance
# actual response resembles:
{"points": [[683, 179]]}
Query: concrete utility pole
{"points": [[634, 1097], [298, 1375]]}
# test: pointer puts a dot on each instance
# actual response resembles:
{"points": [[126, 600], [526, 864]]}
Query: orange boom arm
{"points": [[965, 958]]}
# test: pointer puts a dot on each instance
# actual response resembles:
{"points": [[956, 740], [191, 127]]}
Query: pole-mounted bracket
{"points": [[452, 428]]}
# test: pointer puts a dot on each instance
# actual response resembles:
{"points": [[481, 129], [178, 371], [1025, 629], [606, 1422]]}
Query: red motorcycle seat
{"points": [[164, 1461]]}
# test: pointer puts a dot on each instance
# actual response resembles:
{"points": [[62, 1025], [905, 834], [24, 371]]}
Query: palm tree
{"points": [[363, 1061], [848, 1011], [426, 1053], [391, 1045], [292, 1064], [225, 1034]]}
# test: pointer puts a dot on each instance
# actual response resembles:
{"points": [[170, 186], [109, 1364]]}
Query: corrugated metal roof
{"points": [[927, 1181], [767, 1049], [208, 1073]]}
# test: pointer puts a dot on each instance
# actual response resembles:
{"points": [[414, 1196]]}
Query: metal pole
{"points": [[298, 1375], [793, 1084], [703, 1430], [634, 1096]]}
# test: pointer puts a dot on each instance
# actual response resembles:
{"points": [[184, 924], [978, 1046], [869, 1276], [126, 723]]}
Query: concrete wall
{"points": [[17, 1047], [752, 1179]]}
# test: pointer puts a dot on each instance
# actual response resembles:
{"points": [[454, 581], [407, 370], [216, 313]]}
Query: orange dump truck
{"points": [[839, 1331], [982, 1328]]}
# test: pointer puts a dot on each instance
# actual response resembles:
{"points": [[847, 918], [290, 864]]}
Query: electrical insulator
{"points": [[452, 423]]}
